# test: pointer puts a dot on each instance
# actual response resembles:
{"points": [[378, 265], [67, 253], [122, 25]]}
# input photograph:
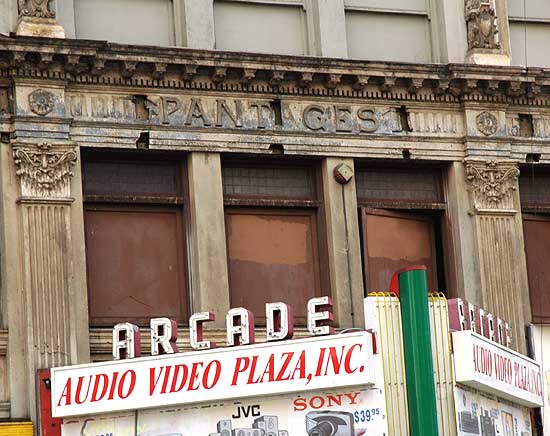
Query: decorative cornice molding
{"points": [[492, 184], [98, 63], [44, 170]]}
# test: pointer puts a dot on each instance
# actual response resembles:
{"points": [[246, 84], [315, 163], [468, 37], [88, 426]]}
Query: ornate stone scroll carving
{"points": [[492, 184], [41, 102], [481, 21], [44, 170], [37, 19], [35, 8]]}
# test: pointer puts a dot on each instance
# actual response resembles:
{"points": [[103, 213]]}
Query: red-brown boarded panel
{"points": [[273, 256], [393, 241], [536, 230], [136, 265]]}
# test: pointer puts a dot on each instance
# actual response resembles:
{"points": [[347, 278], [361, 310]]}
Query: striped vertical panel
{"points": [[383, 316], [443, 364], [46, 233]]}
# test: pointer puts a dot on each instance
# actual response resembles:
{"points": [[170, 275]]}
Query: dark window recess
{"points": [[275, 252], [526, 125], [395, 240], [536, 231], [534, 190], [401, 188], [404, 119], [268, 182], [135, 241], [130, 178], [277, 112]]}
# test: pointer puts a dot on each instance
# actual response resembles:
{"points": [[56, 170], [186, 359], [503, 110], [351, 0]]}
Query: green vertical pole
{"points": [[413, 290]]}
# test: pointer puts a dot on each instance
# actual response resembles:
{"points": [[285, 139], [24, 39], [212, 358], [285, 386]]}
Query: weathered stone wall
{"points": [[57, 98]]}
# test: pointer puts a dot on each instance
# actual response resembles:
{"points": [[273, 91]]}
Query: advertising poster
{"points": [[343, 412], [479, 414]]}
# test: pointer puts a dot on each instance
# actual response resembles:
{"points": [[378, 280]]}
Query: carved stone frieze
{"points": [[492, 184], [487, 123], [35, 8], [44, 170], [178, 69], [41, 102], [481, 22]]}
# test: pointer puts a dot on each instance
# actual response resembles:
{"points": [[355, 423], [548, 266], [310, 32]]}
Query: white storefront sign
{"points": [[493, 368], [345, 412], [197, 377]]}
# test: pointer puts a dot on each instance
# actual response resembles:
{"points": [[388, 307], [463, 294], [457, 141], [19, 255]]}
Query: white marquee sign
{"points": [[225, 373], [490, 367]]}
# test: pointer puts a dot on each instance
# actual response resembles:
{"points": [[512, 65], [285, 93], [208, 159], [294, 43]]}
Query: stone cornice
{"points": [[103, 63]]}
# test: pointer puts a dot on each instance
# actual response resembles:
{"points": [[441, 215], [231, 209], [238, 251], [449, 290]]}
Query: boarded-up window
{"points": [[368, 24], [272, 220], [537, 240], [393, 241], [135, 264], [272, 257], [529, 41], [401, 210], [149, 22], [260, 28], [135, 241], [529, 32]]}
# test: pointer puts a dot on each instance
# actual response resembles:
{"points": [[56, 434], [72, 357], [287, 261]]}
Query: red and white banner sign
{"points": [[490, 367], [219, 374]]}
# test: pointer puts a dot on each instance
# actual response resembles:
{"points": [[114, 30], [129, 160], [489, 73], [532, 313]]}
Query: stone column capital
{"points": [[492, 184], [45, 170]]}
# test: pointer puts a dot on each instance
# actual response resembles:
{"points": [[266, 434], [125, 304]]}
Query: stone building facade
{"points": [[149, 180]]}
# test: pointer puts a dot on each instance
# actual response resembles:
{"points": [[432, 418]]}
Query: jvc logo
{"points": [[245, 412]]}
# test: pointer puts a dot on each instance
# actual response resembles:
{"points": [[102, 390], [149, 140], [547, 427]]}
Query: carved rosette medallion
{"points": [[41, 102], [487, 123], [44, 170], [481, 22], [492, 183], [35, 8]]}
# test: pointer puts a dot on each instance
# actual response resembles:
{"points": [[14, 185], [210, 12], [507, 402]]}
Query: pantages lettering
{"points": [[218, 112]]}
